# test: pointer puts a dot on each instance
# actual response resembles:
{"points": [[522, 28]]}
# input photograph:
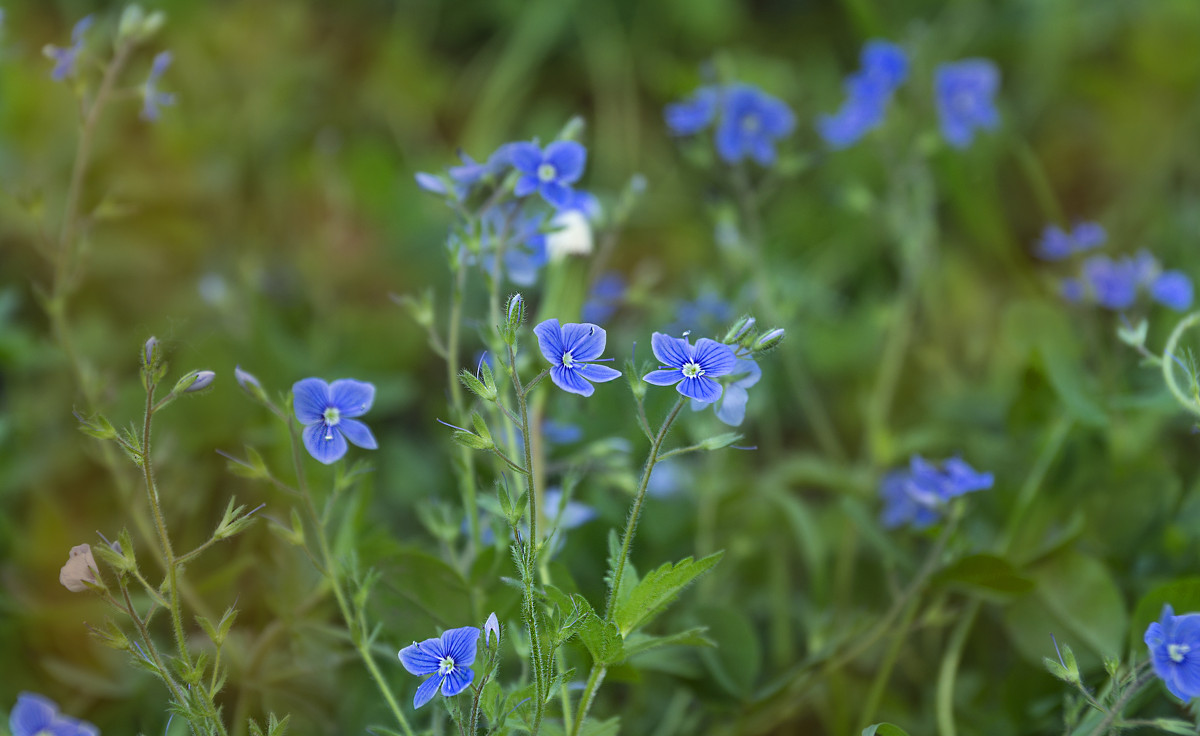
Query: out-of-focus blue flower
{"points": [[1057, 244], [570, 348], [35, 715], [570, 515], [550, 172], [525, 248], [1172, 289], [1113, 284], [446, 658], [561, 433], [692, 369], [707, 312], [328, 413], [1172, 641], [1088, 235], [916, 496], [731, 407], [693, 114], [964, 92], [603, 298], [66, 60], [868, 91], [751, 122], [669, 478], [152, 98], [462, 179]]}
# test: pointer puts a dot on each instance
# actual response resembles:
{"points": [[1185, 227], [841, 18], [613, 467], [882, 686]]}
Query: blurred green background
{"points": [[266, 219]]}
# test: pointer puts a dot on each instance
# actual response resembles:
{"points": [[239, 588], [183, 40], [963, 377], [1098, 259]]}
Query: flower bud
{"points": [[249, 383], [151, 352], [769, 340], [514, 317], [194, 382], [80, 569], [491, 626], [739, 330]]}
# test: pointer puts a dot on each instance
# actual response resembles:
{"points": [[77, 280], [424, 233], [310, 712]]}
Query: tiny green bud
{"points": [[477, 386], [769, 340], [130, 27], [739, 330], [473, 441], [514, 316], [194, 382], [1134, 336], [720, 441], [249, 384], [151, 352]]}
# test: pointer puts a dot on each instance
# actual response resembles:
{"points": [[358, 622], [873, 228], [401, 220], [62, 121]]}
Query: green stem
{"points": [[889, 662], [466, 480], [948, 671], [595, 679], [1168, 364], [1118, 706]]}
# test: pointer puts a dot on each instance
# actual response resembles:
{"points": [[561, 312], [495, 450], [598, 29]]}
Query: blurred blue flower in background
{"points": [[603, 298], [152, 98], [550, 172], [1115, 283], [35, 715], [1172, 289], [731, 407], [669, 478], [706, 312], [570, 348], [446, 658], [525, 246], [749, 121], [916, 496], [328, 413], [964, 92], [561, 433], [690, 368], [1174, 643], [1057, 244], [884, 69], [65, 60], [693, 114], [463, 178]]}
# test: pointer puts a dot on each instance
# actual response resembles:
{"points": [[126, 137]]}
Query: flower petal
{"points": [[459, 644], [732, 409], [748, 372], [569, 380], [358, 434], [352, 398], [672, 351], [310, 399], [560, 196], [457, 680], [584, 341], [325, 443], [568, 158], [549, 335], [423, 658], [668, 377], [31, 714], [527, 184], [702, 388], [427, 690], [597, 373], [717, 359], [526, 157]]}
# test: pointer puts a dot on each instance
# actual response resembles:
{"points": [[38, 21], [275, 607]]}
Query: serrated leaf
{"points": [[592, 727], [659, 588], [602, 639]]}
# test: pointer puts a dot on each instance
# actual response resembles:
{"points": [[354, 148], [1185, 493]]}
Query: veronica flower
{"points": [[868, 91], [152, 98], [669, 477], [751, 122], [1174, 643], [34, 715], [1057, 244], [1172, 289], [65, 60], [525, 245], [550, 172], [693, 114], [964, 91], [446, 658], [571, 348], [706, 311], [916, 496], [490, 627], [79, 570], [328, 413], [1112, 283], [690, 368], [463, 178], [731, 407], [603, 298]]}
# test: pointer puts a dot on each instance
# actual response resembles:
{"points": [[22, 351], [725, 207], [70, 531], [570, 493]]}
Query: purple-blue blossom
{"points": [[550, 172], [152, 98], [603, 298], [1056, 244], [693, 114], [1174, 643], [731, 407], [491, 627], [917, 495], [571, 348], [751, 122], [462, 179], [964, 92], [35, 715], [884, 67], [1116, 283], [519, 232], [66, 59], [692, 369], [446, 659], [1172, 289], [328, 413]]}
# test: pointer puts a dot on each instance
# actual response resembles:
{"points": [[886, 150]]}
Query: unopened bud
{"points": [[769, 340], [151, 352], [739, 330], [194, 382], [249, 383]]}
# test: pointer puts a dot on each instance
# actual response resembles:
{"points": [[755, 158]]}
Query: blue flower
{"points": [[525, 245], [603, 298], [917, 495], [693, 114], [446, 658], [491, 626], [964, 91], [65, 59], [561, 433], [34, 715], [706, 312], [570, 515], [152, 98], [1172, 289], [1113, 284], [571, 348], [1057, 244], [465, 177], [1172, 641], [691, 368], [1088, 235], [884, 69], [751, 122], [550, 172], [669, 477], [731, 407], [328, 413]]}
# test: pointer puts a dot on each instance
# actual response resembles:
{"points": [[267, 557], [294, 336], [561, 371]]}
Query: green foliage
{"points": [[658, 590]]}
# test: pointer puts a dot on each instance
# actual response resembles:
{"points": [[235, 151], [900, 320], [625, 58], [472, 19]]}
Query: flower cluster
{"points": [[34, 715], [964, 91], [1057, 244], [460, 180], [917, 495], [551, 172], [748, 121], [1115, 284], [1174, 643], [868, 91]]}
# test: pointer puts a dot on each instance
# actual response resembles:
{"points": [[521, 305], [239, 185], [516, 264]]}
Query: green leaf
{"points": [[1038, 327], [737, 659], [592, 727], [984, 574], [602, 639], [659, 588], [884, 729], [637, 642], [1171, 725], [1182, 594]]}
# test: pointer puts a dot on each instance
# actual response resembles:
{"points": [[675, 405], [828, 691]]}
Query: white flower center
{"points": [[751, 124], [1177, 651], [568, 360], [692, 370], [547, 172], [446, 666], [332, 416]]}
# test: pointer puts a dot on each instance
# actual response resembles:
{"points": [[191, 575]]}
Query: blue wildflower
{"points": [[152, 98], [693, 114], [490, 627], [431, 183], [561, 433], [1057, 244], [669, 477], [1172, 641], [884, 69], [751, 122], [901, 507], [65, 60], [466, 176], [731, 407], [34, 715], [1172, 289], [550, 172], [570, 348], [964, 91], [1113, 284], [706, 312], [917, 495], [691, 368], [1088, 235], [603, 298], [525, 245], [446, 658], [328, 413], [568, 515]]}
